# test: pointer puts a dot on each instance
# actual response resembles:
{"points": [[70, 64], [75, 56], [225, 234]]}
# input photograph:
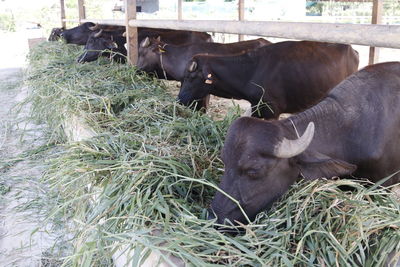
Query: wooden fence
{"points": [[360, 34]]}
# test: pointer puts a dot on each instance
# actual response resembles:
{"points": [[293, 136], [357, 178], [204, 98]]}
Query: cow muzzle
{"points": [[81, 58], [222, 227]]}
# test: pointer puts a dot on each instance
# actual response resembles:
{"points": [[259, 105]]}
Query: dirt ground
{"points": [[218, 107], [23, 239]]}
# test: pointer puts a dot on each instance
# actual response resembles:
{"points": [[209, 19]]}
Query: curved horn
{"points": [[290, 148], [98, 34], [193, 66], [124, 34], [146, 42], [95, 27]]}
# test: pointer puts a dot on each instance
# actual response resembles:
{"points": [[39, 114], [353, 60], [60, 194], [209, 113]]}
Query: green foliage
{"points": [[7, 22], [314, 8], [362, 8], [4, 189]]}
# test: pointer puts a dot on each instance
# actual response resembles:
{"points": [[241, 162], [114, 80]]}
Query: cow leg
{"points": [[205, 102], [201, 105]]}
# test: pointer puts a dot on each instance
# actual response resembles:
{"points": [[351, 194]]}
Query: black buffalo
{"points": [[282, 77], [79, 34], [155, 54], [176, 37], [108, 38], [105, 43], [353, 131]]}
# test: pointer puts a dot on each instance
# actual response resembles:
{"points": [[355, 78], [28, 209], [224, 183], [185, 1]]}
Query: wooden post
{"points": [[62, 6], [131, 32], [179, 9], [241, 16], [377, 11], [81, 8]]}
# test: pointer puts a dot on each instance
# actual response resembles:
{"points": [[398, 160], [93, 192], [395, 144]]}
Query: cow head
{"points": [[80, 34], [197, 82], [149, 52], [96, 43], [55, 34], [261, 164]]}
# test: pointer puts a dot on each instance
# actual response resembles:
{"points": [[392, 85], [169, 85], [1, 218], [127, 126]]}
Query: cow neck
{"points": [[161, 61], [232, 74], [173, 61], [323, 114]]}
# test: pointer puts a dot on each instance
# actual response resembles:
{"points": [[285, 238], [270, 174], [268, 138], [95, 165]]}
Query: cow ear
{"points": [[314, 165], [158, 39], [208, 74], [161, 49], [209, 79]]}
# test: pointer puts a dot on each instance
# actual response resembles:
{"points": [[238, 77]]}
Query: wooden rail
{"points": [[119, 22], [369, 35]]}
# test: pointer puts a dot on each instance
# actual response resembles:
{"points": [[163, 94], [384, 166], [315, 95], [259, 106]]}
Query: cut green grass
{"points": [[145, 181], [4, 189]]}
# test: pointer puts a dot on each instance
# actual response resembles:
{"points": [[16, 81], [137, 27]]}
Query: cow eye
{"points": [[253, 173]]}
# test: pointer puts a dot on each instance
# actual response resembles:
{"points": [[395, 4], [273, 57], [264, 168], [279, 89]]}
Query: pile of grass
{"points": [[145, 181], [61, 87]]}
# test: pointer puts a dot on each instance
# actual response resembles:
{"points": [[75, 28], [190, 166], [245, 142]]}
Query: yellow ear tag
{"points": [[161, 49], [208, 81]]}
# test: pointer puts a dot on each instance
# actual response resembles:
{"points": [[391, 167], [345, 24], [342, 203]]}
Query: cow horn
{"points": [[124, 34], [146, 42], [193, 66], [98, 34], [290, 148], [95, 27]]}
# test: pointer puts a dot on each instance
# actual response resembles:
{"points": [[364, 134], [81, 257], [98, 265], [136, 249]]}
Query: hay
{"points": [[153, 168]]}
